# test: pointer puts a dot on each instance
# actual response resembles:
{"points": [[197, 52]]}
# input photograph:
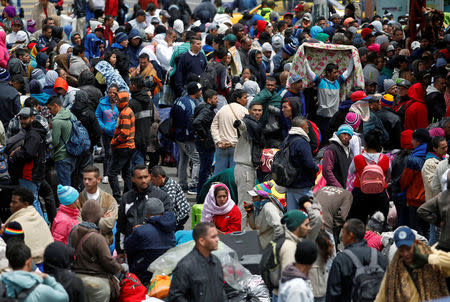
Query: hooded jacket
{"points": [[122, 63], [86, 82], [81, 109], [201, 125], [125, 129], [411, 180], [91, 46], [107, 116], [9, 102], [37, 93], [133, 52], [297, 110], [63, 61], [416, 113], [336, 161], [4, 54], [258, 71], [182, 112], [206, 6], [61, 129], [435, 102], [294, 286], [77, 66], [393, 125], [148, 242], [65, 220], [41, 60], [68, 98], [143, 109]]}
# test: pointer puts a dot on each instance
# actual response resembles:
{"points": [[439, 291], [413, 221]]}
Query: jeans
{"points": [[188, 152], [64, 169], [121, 161], [81, 162], [206, 159], [224, 159], [106, 141], [435, 232], [137, 159], [33, 187], [293, 195]]}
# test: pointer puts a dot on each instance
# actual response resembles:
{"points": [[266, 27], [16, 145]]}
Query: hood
{"points": [[420, 151], [63, 114], [17, 280], [41, 97], [295, 104], [50, 78], [251, 87], [61, 83], [299, 131], [336, 139], [252, 58], [35, 87], [135, 33], [91, 45], [415, 92], [141, 96], [117, 45], [431, 89], [345, 105], [81, 103], [432, 155], [2, 39], [72, 37], [37, 126], [315, 30], [86, 78], [41, 59], [166, 223], [292, 272], [58, 256]]}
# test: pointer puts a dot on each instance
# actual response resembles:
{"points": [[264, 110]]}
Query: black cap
{"points": [[193, 88], [140, 13], [422, 135]]}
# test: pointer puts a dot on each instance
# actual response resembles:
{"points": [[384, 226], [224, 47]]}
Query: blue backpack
{"points": [[78, 142]]}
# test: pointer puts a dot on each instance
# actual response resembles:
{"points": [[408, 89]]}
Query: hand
{"points": [[248, 207], [121, 258], [307, 204], [107, 214], [136, 226], [42, 275]]}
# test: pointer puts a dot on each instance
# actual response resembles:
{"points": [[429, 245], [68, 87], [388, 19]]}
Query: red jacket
{"points": [[230, 222], [65, 220], [361, 163], [112, 8], [416, 115]]}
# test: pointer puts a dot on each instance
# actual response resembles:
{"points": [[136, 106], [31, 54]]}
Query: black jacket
{"points": [[86, 82], [142, 106], [82, 110], [197, 279], [302, 159], [393, 126], [340, 279], [435, 102], [9, 103], [201, 124]]}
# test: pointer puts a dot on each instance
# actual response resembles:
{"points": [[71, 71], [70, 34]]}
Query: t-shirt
{"points": [[328, 95], [94, 196]]}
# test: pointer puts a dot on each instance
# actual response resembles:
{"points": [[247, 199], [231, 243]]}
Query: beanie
{"points": [[374, 47], [421, 135], [376, 222], [289, 49], [67, 195], [153, 206], [13, 230], [353, 120], [293, 219], [436, 132], [120, 37], [387, 84], [345, 129], [306, 252], [387, 100], [405, 139], [4, 75]]}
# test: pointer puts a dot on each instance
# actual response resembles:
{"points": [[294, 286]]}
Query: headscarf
{"points": [[315, 30], [50, 78], [322, 37], [64, 48], [72, 37], [211, 209], [178, 26], [31, 26]]}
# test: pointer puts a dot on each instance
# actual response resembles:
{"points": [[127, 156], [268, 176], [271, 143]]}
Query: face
{"points": [[392, 90], [112, 94], [243, 100], [62, 73], [25, 122], [157, 181], [91, 181], [258, 58], [124, 43], [247, 44], [140, 19], [143, 63], [47, 63], [256, 111], [15, 27], [402, 91], [375, 106], [246, 74], [51, 22], [60, 91], [424, 43], [286, 109], [221, 198], [370, 89], [440, 85], [77, 39], [322, 23], [196, 46], [268, 54], [113, 59], [211, 240], [345, 138], [53, 109], [446, 128], [102, 48], [333, 75], [141, 178], [25, 58], [109, 22], [48, 33], [171, 37], [406, 253], [271, 85], [442, 149], [398, 36], [297, 86], [303, 229], [415, 143], [16, 204], [214, 100]]}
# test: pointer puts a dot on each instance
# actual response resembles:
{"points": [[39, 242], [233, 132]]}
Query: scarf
{"points": [[299, 131], [255, 136], [87, 225], [210, 207], [258, 205]]}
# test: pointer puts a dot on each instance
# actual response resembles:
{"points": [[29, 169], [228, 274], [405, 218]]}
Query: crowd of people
{"points": [[358, 106]]}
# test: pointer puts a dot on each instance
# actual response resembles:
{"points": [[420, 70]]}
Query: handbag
{"points": [[168, 95]]}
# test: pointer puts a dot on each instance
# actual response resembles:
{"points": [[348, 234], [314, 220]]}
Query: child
{"points": [[66, 218]]}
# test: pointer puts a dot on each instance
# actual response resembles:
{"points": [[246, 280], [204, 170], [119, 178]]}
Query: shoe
{"points": [[105, 180], [192, 191], [119, 177]]}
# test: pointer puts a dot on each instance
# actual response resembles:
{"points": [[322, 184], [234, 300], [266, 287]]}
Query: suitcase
{"points": [[196, 214]]}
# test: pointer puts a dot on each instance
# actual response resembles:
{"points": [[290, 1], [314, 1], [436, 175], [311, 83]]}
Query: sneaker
{"points": [[192, 191], [119, 177], [105, 180]]}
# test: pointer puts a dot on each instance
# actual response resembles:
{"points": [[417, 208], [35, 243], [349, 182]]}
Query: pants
{"points": [[138, 158], [64, 169], [224, 159], [97, 289], [435, 232], [334, 214], [245, 178], [106, 141], [416, 223], [33, 187], [322, 123], [293, 195], [80, 25], [206, 158], [121, 161], [81, 162], [365, 205], [46, 192], [188, 152]]}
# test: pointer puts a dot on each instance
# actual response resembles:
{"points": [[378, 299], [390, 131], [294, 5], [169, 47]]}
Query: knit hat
{"points": [[13, 230], [293, 219], [153, 206], [436, 132], [289, 49], [193, 88], [345, 129], [67, 195], [262, 189], [374, 47], [277, 42], [365, 32], [322, 37], [10, 11], [421, 135], [376, 222], [306, 252], [387, 100], [387, 84], [230, 38], [4, 75], [405, 139], [120, 37], [353, 120]]}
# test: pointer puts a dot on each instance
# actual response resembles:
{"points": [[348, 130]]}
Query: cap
{"points": [[230, 38], [26, 112], [307, 17], [16, 21], [404, 236], [387, 100], [153, 206], [299, 8], [390, 48], [371, 83], [154, 20], [193, 88], [140, 13], [334, 16], [415, 45], [67, 195], [294, 79], [164, 13], [404, 83], [348, 21], [293, 219], [358, 96], [288, 14], [262, 189]]}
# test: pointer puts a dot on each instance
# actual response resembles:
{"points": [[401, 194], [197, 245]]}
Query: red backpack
{"points": [[131, 289], [372, 179]]}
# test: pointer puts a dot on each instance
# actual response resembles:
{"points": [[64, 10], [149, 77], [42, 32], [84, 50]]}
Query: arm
{"points": [[99, 115], [17, 105], [349, 70], [429, 211], [315, 220], [436, 181], [51, 290], [104, 257], [309, 73], [56, 133], [334, 285], [327, 169], [407, 176], [215, 128], [179, 75], [179, 286], [106, 224]]}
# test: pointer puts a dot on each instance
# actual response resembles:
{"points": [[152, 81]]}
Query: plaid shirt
{"points": [[180, 203]]}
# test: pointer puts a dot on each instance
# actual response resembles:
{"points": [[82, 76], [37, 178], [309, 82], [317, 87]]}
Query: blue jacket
{"points": [[302, 159], [182, 112], [91, 45], [107, 116], [133, 52], [148, 242]]}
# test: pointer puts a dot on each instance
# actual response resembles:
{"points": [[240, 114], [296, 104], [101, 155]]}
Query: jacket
{"points": [[294, 286], [393, 126], [397, 167], [134, 52], [94, 257], [340, 279], [131, 211], [336, 161], [65, 220], [297, 108], [229, 222], [125, 129], [86, 82], [79, 8], [428, 170], [9, 103], [181, 205], [267, 222], [436, 183], [416, 115], [47, 290], [411, 180], [107, 116], [182, 112], [63, 61], [148, 242], [4, 54], [267, 98], [30, 159], [91, 46], [222, 129], [201, 125], [435, 102], [197, 279], [61, 129], [86, 116], [77, 66], [122, 63], [144, 112], [258, 72], [68, 98], [249, 148]]}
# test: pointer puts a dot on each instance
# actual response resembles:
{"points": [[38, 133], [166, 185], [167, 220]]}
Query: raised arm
{"points": [[309, 73], [349, 70]]}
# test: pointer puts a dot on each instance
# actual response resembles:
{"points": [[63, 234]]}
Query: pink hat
{"points": [[353, 119], [436, 132], [374, 47]]}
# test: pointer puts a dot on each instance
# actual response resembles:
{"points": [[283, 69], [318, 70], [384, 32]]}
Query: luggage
{"points": [[196, 214]]}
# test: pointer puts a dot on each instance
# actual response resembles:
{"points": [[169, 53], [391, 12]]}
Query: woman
{"points": [[43, 61], [50, 78], [4, 54], [257, 68], [367, 204], [318, 274], [220, 209], [290, 108], [76, 39], [267, 57], [107, 115], [354, 120]]}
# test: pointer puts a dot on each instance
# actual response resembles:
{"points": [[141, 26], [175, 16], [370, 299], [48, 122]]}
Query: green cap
{"points": [[230, 37], [293, 219]]}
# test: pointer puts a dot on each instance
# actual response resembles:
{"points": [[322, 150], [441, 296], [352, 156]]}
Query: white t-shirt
{"points": [[94, 196]]}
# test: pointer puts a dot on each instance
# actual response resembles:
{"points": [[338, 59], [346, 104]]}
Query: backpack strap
{"points": [[353, 257], [373, 257], [24, 293], [80, 244]]}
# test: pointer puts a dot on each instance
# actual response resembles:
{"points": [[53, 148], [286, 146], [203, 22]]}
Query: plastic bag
{"points": [[159, 286], [253, 290]]}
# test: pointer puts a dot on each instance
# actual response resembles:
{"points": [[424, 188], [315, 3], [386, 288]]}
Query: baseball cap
{"points": [[404, 83], [299, 8], [359, 95], [294, 79], [164, 13], [415, 45], [230, 38], [390, 48], [26, 112], [154, 20], [334, 16], [348, 21], [404, 236]]}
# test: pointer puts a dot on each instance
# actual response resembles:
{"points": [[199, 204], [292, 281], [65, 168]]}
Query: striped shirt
{"points": [[125, 130]]}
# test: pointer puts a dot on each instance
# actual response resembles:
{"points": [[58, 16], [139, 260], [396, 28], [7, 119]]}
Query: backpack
{"points": [[372, 179], [367, 279], [131, 289], [270, 263], [78, 141], [167, 127], [283, 172], [21, 296], [208, 78], [5, 179]]}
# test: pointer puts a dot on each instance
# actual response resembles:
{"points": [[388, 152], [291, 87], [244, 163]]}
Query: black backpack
{"points": [[270, 263], [208, 78], [283, 172], [21, 296], [367, 279]]}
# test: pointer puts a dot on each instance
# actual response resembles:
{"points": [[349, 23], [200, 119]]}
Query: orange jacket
{"points": [[125, 130]]}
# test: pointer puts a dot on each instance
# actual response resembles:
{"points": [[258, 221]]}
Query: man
{"points": [[199, 276], [435, 100], [294, 282], [337, 158], [268, 97], [78, 61], [61, 129], [65, 92], [390, 120], [370, 71], [229, 41], [410, 275], [28, 163], [134, 47], [131, 208], [286, 55], [46, 37], [151, 71], [295, 91], [302, 159], [340, 279], [19, 64], [123, 147], [164, 49], [247, 155], [23, 281], [402, 98], [107, 32], [191, 62], [244, 49], [201, 125], [182, 112], [374, 122], [91, 180], [9, 99], [139, 22], [181, 206], [16, 33], [416, 113]]}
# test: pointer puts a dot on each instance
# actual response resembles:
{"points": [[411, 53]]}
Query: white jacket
{"points": [[164, 54], [428, 170]]}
